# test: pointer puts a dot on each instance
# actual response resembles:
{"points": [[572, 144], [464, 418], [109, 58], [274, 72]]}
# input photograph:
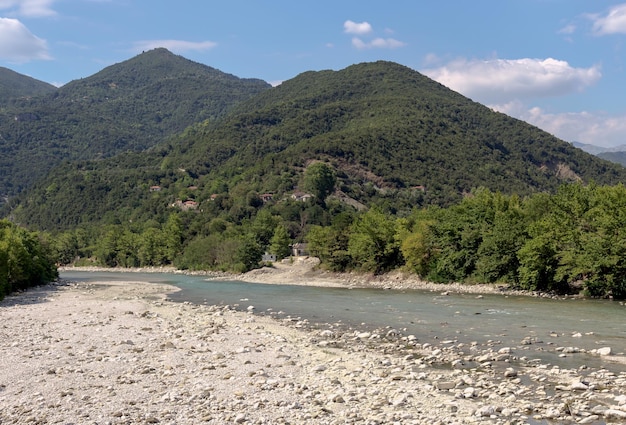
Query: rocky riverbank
{"points": [[304, 271], [120, 353]]}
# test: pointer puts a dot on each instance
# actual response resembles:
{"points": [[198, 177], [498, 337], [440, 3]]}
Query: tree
{"points": [[249, 254], [66, 247], [24, 259], [373, 245], [153, 248], [263, 227], [279, 244], [173, 236], [319, 179], [417, 249]]}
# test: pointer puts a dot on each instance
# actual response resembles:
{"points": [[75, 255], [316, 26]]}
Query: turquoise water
{"points": [[488, 320]]}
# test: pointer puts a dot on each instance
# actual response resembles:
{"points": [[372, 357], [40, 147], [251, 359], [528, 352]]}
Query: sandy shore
{"points": [[120, 353], [305, 271]]}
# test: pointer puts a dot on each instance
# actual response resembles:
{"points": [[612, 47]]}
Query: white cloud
{"points": [[594, 128], [614, 22], [377, 43], [509, 86], [360, 28], [18, 44], [177, 46], [363, 29], [500, 80], [568, 29], [29, 8]]}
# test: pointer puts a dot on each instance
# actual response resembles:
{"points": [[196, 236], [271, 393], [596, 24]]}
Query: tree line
{"points": [[26, 259], [574, 239]]}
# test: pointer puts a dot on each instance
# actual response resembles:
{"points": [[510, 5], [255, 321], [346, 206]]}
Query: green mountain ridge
{"points": [[391, 135], [618, 157], [15, 85], [129, 106], [393, 123]]}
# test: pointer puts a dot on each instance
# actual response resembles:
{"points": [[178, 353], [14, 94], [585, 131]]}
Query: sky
{"points": [[557, 64]]}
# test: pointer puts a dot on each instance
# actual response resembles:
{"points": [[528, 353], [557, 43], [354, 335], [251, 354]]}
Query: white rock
{"points": [[604, 351], [469, 392], [319, 368], [444, 385], [510, 373], [486, 411], [579, 386], [615, 413]]}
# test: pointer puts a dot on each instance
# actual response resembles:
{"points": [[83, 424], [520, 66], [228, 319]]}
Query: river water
{"points": [[503, 321]]}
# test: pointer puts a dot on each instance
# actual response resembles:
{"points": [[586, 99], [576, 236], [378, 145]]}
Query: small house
{"points": [[268, 258], [266, 197], [299, 250], [301, 196]]}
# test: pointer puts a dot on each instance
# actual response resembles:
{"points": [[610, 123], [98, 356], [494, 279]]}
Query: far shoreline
{"points": [[303, 271]]}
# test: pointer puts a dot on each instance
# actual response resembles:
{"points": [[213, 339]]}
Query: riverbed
{"points": [[563, 332], [115, 349]]}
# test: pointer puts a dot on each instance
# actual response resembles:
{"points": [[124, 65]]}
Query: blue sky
{"points": [[558, 64]]}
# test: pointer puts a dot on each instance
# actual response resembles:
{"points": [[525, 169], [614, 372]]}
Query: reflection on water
{"points": [[537, 327]]}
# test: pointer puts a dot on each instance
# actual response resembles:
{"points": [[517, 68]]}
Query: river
{"points": [[546, 325]]}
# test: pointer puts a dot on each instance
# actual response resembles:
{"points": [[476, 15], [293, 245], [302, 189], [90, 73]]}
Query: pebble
{"points": [[187, 364]]}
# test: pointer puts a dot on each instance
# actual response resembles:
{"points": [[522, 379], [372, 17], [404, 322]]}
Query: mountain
{"points": [[618, 157], [615, 154], [129, 106], [14, 85], [391, 135], [388, 125], [596, 150]]}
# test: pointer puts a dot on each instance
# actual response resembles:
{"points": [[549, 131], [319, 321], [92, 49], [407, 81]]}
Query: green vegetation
{"points": [[616, 157], [14, 85], [377, 167], [130, 106], [25, 259], [382, 133], [570, 241]]}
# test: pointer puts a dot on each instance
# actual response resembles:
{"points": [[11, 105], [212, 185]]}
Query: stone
{"points": [[579, 386], [614, 414], [590, 419], [445, 385], [485, 411], [337, 398], [510, 373], [320, 368], [604, 351], [469, 392]]}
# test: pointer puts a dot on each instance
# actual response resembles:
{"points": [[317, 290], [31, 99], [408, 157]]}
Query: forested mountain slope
{"points": [[14, 85], [130, 106], [391, 135], [616, 157], [388, 125]]}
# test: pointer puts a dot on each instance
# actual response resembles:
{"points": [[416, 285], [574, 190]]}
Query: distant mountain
{"points": [[618, 157], [616, 154], [393, 136], [595, 150], [129, 106], [14, 85], [398, 127]]}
